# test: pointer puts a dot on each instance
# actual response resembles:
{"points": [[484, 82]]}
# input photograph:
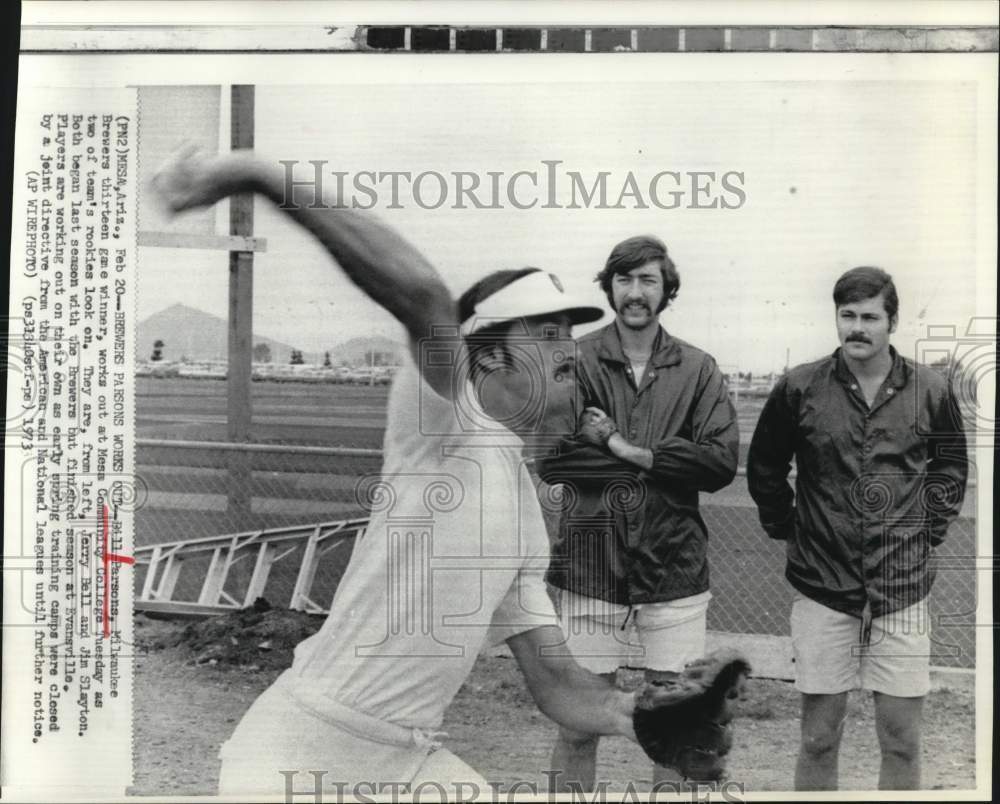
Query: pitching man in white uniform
{"points": [[455, 552]]}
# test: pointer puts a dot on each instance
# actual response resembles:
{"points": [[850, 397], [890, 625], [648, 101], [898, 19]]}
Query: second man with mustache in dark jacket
{"points": [[656, 428]]}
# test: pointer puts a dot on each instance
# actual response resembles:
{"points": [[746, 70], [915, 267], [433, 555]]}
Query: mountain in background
{"points": [[194, 335]]}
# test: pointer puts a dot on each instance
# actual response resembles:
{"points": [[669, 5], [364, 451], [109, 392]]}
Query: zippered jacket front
{"points": [[876, 487]]}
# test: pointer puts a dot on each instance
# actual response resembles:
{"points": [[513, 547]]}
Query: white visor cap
{"points": [[536, 294]]}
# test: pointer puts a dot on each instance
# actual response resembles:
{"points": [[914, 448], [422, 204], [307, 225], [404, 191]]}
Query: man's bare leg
{"points": [[574, 762], [822, 728], [574, 759], [897, 722]]}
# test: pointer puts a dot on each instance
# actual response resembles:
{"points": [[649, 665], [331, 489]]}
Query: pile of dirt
{"points": [[253, 638]]}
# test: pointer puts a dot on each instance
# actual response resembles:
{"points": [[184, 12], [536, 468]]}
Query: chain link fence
{"points": [[193, 492], [751, 595], [190, 495]]}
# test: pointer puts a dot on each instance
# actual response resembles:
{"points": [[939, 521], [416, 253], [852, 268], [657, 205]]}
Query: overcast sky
{"points": [[835, 174]]}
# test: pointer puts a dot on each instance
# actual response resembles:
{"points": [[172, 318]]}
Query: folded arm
{"points": [[577, 459], [707, 461]]}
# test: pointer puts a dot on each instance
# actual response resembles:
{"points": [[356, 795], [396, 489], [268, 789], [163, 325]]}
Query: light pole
{"points": [[773, 304]]}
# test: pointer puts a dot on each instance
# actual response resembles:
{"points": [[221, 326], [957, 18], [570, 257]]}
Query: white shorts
{"points": [[353, 754], [604, 636], [829, 656]]}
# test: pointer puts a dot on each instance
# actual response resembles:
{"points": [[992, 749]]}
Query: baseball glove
{"points": [[685, 723]]}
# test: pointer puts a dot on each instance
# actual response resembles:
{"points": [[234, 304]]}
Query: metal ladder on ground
{"points": [[164, 562]]}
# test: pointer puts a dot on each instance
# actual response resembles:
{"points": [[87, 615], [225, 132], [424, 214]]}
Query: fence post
{"points": [[239, 374]]}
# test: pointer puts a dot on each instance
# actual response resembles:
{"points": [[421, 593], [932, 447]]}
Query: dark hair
{"points": [[634, 253], [863, 283]]}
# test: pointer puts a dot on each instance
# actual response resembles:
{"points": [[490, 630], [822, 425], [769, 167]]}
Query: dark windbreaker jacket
{"points": [[631, 536], [875, 490]]}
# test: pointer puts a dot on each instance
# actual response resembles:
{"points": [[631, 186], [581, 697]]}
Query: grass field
{"points": [[187, 499]]}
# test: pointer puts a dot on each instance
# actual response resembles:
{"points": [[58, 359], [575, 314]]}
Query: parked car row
{"points": [[216, 369]]}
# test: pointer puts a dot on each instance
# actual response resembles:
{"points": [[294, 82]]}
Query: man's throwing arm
{"points": [[571, 696], [377, 259]]}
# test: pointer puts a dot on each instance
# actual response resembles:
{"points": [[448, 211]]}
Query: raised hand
{"points": [[191, 178]]}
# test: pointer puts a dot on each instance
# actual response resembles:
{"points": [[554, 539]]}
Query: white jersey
{"points": [[453, 559]]}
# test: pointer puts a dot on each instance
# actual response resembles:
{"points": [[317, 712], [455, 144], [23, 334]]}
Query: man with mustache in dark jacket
{"points": [[630, 559], [881, 470]]}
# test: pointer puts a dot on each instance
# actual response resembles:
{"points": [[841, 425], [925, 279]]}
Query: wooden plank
{"points": [[203, 241], [181, 609], [232, 601], [287, 533], [215, 577], [261, 569], [239, 551], [154, 565], [307, 571], [330, 547], [168, 581]]}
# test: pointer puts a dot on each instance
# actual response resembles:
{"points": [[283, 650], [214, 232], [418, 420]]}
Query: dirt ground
{"points": [[196, 681]]}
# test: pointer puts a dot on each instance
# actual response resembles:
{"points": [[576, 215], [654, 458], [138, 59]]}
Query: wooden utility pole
{"points": [[239, 375]]}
